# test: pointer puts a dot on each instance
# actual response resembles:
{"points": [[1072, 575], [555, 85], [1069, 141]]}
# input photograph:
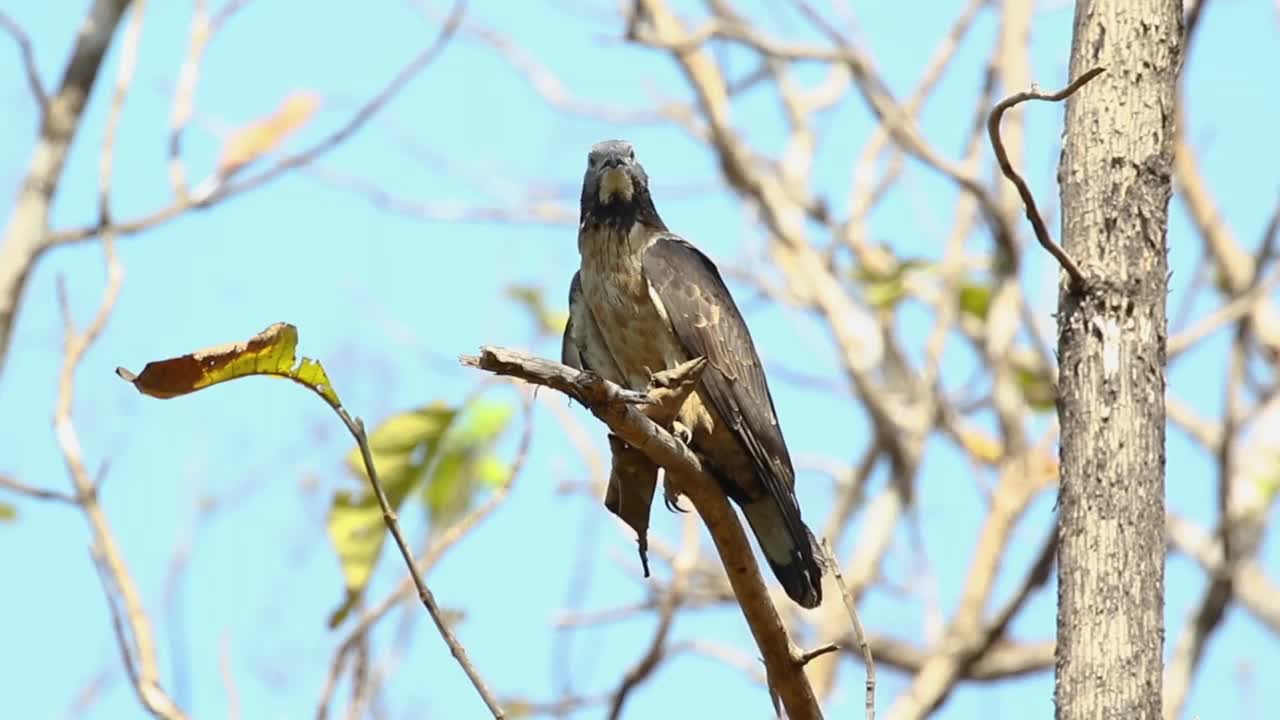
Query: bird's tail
{"points": [[795, 560]]}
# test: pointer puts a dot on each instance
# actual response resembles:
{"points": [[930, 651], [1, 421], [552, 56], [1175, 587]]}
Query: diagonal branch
{"points": [[614, 407], [356, 427], [26, 235]]}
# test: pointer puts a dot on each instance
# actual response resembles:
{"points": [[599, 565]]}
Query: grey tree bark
{"points": [[1115, 182]]}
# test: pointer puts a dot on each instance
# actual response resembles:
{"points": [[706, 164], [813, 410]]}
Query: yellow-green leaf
{"points": [[975, 300], [533, 299], [402, 448], [465, 461], [272, 352], [884, 289], [8, 513], [1037, 390]]}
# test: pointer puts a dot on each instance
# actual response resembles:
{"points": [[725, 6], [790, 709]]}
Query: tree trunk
{"points": [[1114, 177]]}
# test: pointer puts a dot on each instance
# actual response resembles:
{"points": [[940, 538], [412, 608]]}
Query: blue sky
{"points": [[387, 302]]}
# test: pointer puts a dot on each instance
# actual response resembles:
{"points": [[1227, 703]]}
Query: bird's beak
{"points": [[615, 181]]}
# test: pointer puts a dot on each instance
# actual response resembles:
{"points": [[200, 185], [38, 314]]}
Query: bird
{"points": [[644, 300]]}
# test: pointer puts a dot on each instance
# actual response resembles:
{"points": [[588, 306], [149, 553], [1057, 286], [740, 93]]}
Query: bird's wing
{"points": [[583, 346], [569, 353], [707, 322]]}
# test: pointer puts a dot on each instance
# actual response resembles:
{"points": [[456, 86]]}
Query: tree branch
{"points": [[356, 427], [26, 235], [859, 636], [613, 406]]}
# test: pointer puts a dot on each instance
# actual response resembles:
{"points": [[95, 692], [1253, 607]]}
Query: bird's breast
{"points": [[632, 321]]}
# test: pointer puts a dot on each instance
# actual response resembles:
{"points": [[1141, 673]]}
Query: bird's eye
{"points": [[632, 153]]}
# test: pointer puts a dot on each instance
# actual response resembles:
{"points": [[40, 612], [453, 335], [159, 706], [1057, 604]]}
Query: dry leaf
{"points": [[271, 352], [261, 137]]}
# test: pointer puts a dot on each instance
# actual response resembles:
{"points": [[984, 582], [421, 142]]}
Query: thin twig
{"points": [[203, 29], [441, 545], [356, 427], [818, 652], [20, 37], [11, 483], [184, 95], [858, 634], [1239, 306], [1028, 200], [133, 627], [26, 234], [117, 624], [222, 191], [228, 677]]}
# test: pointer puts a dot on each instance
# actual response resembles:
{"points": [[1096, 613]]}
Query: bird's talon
{"points": [[672, 501], [634, 397], [682, 432]]}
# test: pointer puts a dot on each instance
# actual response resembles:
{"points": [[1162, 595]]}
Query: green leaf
{"points": [[1037, 389], [883, 290], [975, 300], [8, 513], [466, 462], [402, 447]]}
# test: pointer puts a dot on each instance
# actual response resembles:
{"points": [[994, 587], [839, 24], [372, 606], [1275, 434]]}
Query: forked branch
{"points": [[615, 407]]}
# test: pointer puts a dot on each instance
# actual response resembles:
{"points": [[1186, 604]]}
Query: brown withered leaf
{"points": [[272, 352]]}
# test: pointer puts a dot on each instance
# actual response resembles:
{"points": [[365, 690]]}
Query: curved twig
{"points": [[1006, 167]]}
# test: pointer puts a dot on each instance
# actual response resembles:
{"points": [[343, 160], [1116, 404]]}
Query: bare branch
{"points": [[1259, 594], [356, 427], [132, 626], [1028, 200], [184, 94], [860, 637], [9, 482], [26, 235], [215, 191], [670, 603], [1240, 306], [228, 677], [614, 406], [1001, 661], [28, 61], [439, 547], [968, 636]]}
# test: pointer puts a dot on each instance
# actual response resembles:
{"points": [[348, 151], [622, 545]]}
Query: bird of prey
{"points": [[646, 300]]}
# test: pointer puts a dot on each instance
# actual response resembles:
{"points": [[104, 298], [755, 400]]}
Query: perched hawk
{"points": [[645, 300]]}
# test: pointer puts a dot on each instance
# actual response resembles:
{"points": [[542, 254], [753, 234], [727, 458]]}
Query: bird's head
{"points": [[615, 188]]}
